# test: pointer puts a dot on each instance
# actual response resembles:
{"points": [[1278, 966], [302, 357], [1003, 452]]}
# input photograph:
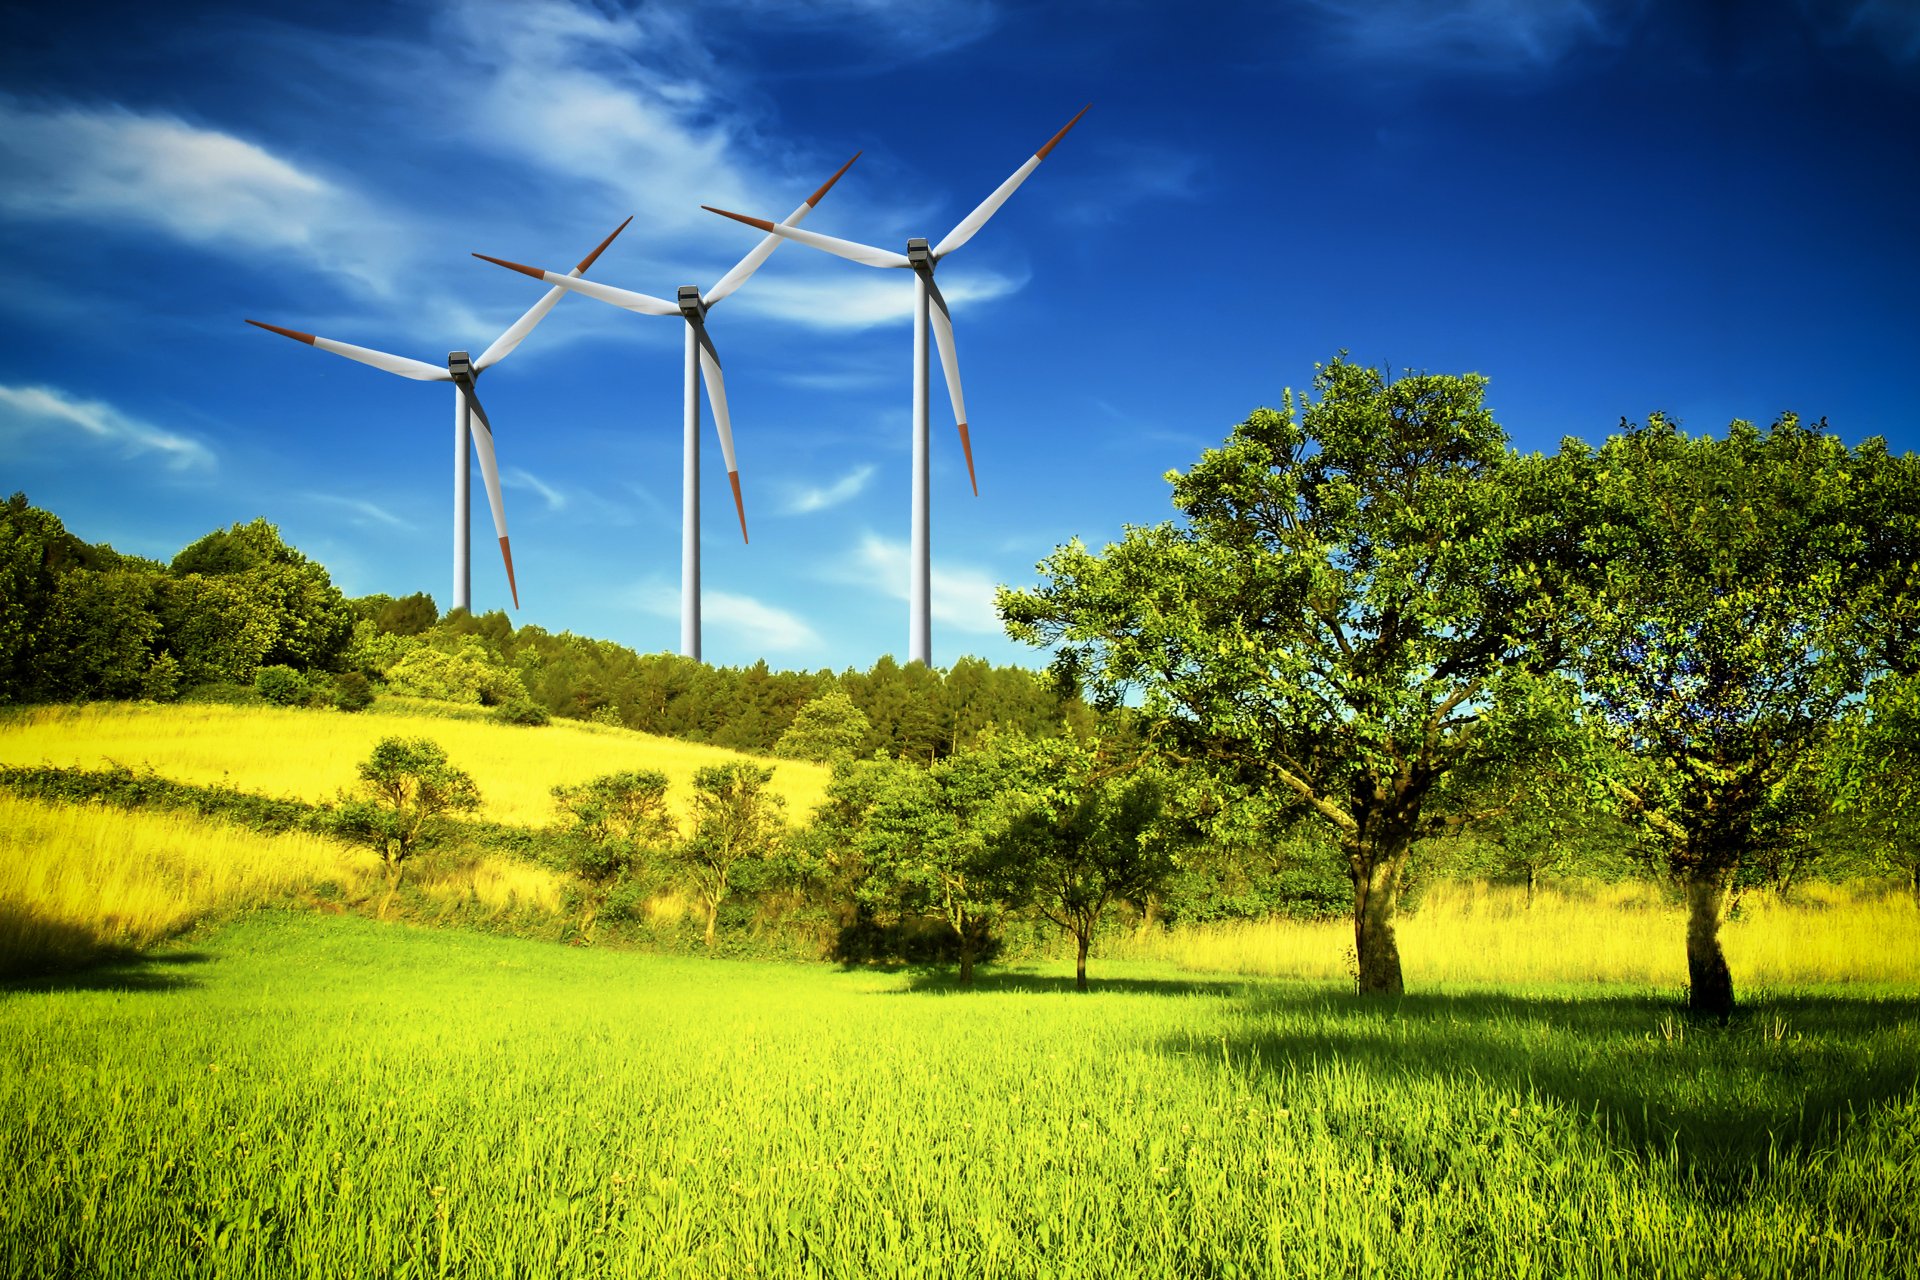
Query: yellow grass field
{"points": [[310, 754], [1465, 936]]}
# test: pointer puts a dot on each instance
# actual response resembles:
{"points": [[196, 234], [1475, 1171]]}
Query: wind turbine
{"points": [[701, 359], [462, 371], [921, 261]]}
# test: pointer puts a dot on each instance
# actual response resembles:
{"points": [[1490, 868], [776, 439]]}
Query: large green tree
{"points": [[312, 621], [737, 821], [1347, 612], [1744, 590]]}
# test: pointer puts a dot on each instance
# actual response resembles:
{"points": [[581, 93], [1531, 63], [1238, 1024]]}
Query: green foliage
{"points": [[407, 788], [1741, 596], [828, 728], [351, 692], [282, 686], [127, 788], [161, 682], [737, 827], [522, 711], [469, 674], [1354, 594], [1875, 775], [217, 629], [1087, 831], [309, 621], [620, 819]]}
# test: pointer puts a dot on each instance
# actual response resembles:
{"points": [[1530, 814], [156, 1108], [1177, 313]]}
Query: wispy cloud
{"points": [[110, 165], [748, 622], [844, 301], [43, 411], [962, 596], [1499, 36], [807, 499], [1137, 173], [363, 513], [520, 478]]}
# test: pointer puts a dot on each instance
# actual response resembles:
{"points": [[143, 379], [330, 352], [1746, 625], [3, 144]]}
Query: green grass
{"points": [[305, 1096]]}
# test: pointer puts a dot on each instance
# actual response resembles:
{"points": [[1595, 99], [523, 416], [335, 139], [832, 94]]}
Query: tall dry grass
{"points": [[1478, 935], [79, 880], [311, 754]]}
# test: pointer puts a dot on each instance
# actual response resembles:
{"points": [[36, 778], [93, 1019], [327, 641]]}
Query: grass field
{"points": [[310, 755], [311, 1096]]}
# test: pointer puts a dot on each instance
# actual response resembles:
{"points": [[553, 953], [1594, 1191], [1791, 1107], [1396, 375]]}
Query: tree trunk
{"points": [[1916, 886], [713, 915], [1709, 982], [1082, 938], [966, 957], [393, 887], [1530, 880], [1376, 953]]}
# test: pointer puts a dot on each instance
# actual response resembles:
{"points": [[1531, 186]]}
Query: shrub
{"points": [[162, 681], [351, 692], [282, 686], [522, 711]]}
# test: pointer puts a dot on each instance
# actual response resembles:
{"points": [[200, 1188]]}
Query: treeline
{"points": [[240, 614]]}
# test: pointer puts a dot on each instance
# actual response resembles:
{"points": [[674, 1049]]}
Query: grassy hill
{"points": [[310, 755]]}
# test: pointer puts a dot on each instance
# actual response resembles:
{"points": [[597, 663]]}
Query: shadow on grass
{"points": [[1726, 1103], [947, 981], [39, 954]]}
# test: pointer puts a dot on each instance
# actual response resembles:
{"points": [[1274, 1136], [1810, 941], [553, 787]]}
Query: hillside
{"points": [[310, 754]]}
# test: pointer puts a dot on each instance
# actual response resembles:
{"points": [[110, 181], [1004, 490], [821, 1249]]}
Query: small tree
{"points": [[1086, 838], [736, 820], [933, 841], [828, 728], [616, 820], [407, 786]]}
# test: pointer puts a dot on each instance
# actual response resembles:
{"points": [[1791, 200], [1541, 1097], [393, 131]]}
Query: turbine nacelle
{"points": [[919, 255], [691, 305], [460, 365]]}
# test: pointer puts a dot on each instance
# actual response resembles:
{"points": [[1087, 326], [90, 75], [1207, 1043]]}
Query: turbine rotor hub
{"points": [[919, 256], [690, 304], [459, 364]]}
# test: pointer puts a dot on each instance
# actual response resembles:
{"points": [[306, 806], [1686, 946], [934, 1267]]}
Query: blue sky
{"points": [[1606, 208]]}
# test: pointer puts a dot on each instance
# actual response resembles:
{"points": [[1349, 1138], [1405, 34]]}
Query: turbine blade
{"points": [[418, 370], [722, 420], [762, 251], [950, 367], [863, 253], [503, 345], [490, 473], [991, 205], [644, 303]]}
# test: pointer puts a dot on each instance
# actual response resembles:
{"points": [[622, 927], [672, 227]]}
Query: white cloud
{"points": [[520, 478], [845, 301], [1485, 35], [748, 622], [365, 513], [39, 411], [806, 499], [962, 597], [203, 186]]}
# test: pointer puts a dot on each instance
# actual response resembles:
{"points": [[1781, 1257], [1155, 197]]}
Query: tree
{"points": [[1876, 776], [1740, 600], [617, 820], [736, 822], [408, 786], [312, 623], [825, 729], [1087, 835], [1349, 615], [933, 841]]}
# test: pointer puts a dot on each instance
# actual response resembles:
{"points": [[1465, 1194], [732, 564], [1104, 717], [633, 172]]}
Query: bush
{"points": [[351, 692], [522, 711], [162, 681], [282, 686]]}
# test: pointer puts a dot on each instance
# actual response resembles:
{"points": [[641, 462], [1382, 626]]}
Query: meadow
{"points": [[308, 1096], [251, 1080], [310, 755]]}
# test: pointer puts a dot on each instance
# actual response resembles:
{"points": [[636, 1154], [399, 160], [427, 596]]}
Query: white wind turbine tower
{"points": [[461, 371], [922, 261], [702, 363]]}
